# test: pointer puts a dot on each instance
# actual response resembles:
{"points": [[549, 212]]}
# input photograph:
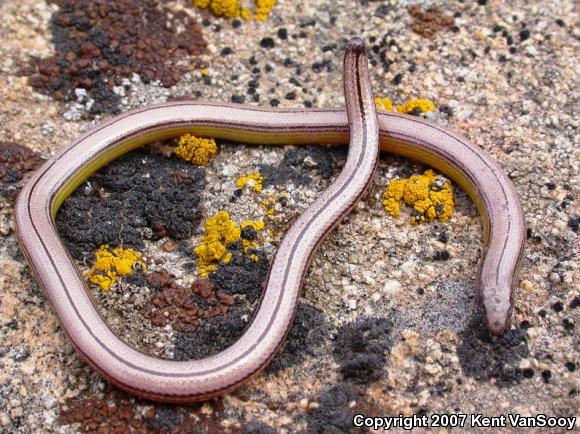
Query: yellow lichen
{"points": [[245, 14], [220, 232], [393, 195], [384, 104], [253, 180], [424, 105], [234, 9], [220, 8], [430, 196], [268, 205], [263, 8], [258, 226], [195, 149], [110, 264]]}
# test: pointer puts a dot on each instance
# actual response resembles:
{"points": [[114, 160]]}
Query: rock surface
{"points": [[387, 324]]}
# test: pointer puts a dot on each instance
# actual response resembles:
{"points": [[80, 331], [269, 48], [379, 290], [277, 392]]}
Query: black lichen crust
{"points": [[306, 335], [138, 193], [213, 335], [244, 279], [258, 428], [360, 348], [298, 166], [242, 275], [483, 357], [334, 414], [217, 333]]}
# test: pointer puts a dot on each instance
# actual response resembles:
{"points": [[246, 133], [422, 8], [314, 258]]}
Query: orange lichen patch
{"points": [[429, 22], [384, 104], [111, 264], [195, 149], [430, 196], [234, 8], [253, 180], [423, 105]]}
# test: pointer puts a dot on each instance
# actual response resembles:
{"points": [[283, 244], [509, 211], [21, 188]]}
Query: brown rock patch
{"points": [[98, 43], [15, 161], [430, 21]]}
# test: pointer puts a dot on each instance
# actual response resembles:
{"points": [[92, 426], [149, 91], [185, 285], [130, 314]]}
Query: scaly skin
{"points": [[359, 127]]}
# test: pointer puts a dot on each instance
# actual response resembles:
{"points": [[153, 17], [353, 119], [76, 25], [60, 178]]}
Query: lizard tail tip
{"points": [[356, 45]]}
